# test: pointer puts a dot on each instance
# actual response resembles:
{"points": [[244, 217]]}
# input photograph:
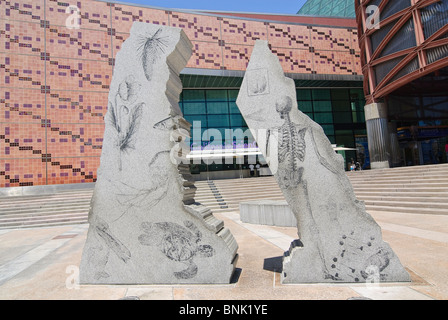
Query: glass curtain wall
{"points": [[340, 112]]}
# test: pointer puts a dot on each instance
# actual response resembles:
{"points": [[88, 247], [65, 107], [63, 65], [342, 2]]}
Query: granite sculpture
{"points": [[338, 240], [145, 226]]}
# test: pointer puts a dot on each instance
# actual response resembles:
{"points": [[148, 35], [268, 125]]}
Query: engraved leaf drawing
{"points": [[150, 49], [126, 122]]}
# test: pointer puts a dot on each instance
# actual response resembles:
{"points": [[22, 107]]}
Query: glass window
{"points": [[345, 138], [403, 39], [394, 7], [323, 117], [305, 106], [216, 95], [303, 94], [217, 108], [218, 121], [193, 95], [233, 108], [321, 94], [233, 94], [434, 17], [237, 121], [357, 92], [328, 129], [201, 118], [193, 108], [341, 105], [340, 94], [321, 106], [342, 117]]}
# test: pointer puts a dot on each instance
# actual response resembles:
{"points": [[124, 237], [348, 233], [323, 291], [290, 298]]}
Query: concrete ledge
{"points": [[45, 189], [267, 212], [375, 111], [379, 165]]}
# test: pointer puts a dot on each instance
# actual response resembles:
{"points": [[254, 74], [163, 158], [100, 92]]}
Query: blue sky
{"points": [[264, 6]]}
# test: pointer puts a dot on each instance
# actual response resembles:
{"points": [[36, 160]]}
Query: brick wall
{"points": [[55, 80]]}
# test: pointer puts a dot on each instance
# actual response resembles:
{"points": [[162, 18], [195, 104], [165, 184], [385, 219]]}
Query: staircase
{"points": [[62, 208], [422, 189]]}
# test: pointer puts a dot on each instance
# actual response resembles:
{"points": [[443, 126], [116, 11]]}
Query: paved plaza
{"points": [[42, 263]]}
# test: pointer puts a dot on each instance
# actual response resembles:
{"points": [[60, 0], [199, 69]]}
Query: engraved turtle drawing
{"points": [[178, 243]]}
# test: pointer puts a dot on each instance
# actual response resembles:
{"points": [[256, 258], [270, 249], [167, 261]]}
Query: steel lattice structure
{"points": [[411, 41]]}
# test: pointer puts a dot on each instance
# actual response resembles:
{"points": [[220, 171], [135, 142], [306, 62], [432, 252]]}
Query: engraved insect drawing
{"points": [[178, 243], [150, 49]]}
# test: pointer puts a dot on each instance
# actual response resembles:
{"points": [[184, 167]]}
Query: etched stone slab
{"points": [[145, 227], [339, 241]]}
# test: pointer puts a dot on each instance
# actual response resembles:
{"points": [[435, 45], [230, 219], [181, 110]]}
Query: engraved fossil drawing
{"points": [[258, 82], [165, 124], [291, 145], [125, 115], [351, 249], [155, 190], [150, 48], [107, 242], [291, 156], [178, 243]]}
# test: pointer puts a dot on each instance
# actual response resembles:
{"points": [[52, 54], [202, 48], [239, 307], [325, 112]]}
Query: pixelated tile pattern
{"points": [[75, 140], [329, 50], [55, 78], [88, 107], [55, 83], [14, 108]]}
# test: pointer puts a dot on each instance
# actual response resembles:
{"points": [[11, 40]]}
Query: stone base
{"points": [[379, 165], [304, 264], [268, 212]]}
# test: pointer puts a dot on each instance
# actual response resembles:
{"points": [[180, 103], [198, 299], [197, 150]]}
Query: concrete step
{"points": [[411, 190], [403, 199], [40, 201], [45, 223], [49, 207], [44, 220], [407, 210], [65, 210], [411, 204]]}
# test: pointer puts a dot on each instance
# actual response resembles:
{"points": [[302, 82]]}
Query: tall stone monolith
{"points": [[145, 227], [338, 240]]}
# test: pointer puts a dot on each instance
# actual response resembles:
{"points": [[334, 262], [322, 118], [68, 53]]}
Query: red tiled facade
{"points": [[55, 80]]}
